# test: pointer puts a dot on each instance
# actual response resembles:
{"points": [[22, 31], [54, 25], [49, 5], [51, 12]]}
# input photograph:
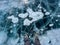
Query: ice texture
{"points": [[52, 36], [26, 22], [23, 15], [31, 17], [3, 37], [14, 19], [12, 41]]}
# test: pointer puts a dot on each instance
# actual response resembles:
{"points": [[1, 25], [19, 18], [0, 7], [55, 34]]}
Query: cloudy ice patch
{"points": [[47, 13], [53, 36], [58, 15], [12, 41], [23, 15], [10, 17], [29, 10], [3, 37], [59, 4], [26, 22], [36, 16], [51, 25], [4, 5], [14, 19], [8, 4]]}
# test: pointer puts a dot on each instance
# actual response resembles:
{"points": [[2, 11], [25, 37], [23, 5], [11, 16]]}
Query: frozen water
{"points": [[51, 25], [47, 13], [53, 36], [58, 15], [26, 22], [34, 11], [3, 37], [23, 15], [14, 19], [36, 16], [26, 1], [12, 41]]}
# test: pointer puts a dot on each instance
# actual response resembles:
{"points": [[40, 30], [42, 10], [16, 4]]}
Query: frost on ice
{"points": [[12, 41], [29, 10], [14, 19], [51, 25], [47, 13], [52, 38], [26, 22], [3, 37], [23, 15], [11, 34], [34, 15]]}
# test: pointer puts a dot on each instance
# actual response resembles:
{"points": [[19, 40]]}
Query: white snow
{"points": [[29, 10], [36, 16], [14, 19], [51, 24], [39, 6], [44, 10], [47, 13], [57, 20], [58, 15], [53, 35], [10, 17], [44, 40], [59, 4], [23, 15], [26, 22]]}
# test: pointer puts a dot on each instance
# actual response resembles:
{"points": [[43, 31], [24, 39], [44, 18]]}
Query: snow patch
{"points": [[26, 22], [53, 36], [23, 15], [14, 19], [3, 37]]}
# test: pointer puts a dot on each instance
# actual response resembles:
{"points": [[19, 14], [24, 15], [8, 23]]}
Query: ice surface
{"points": [[26, 22], [53, 36], [4, 5], [14, 19], [36, 16], [51, 25], [10, 17], [12, 41], [26, 1], [58, 15], [47, 13], [3, 37], [23, 15], [59, 4], [22, 40], [29, 10]]}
